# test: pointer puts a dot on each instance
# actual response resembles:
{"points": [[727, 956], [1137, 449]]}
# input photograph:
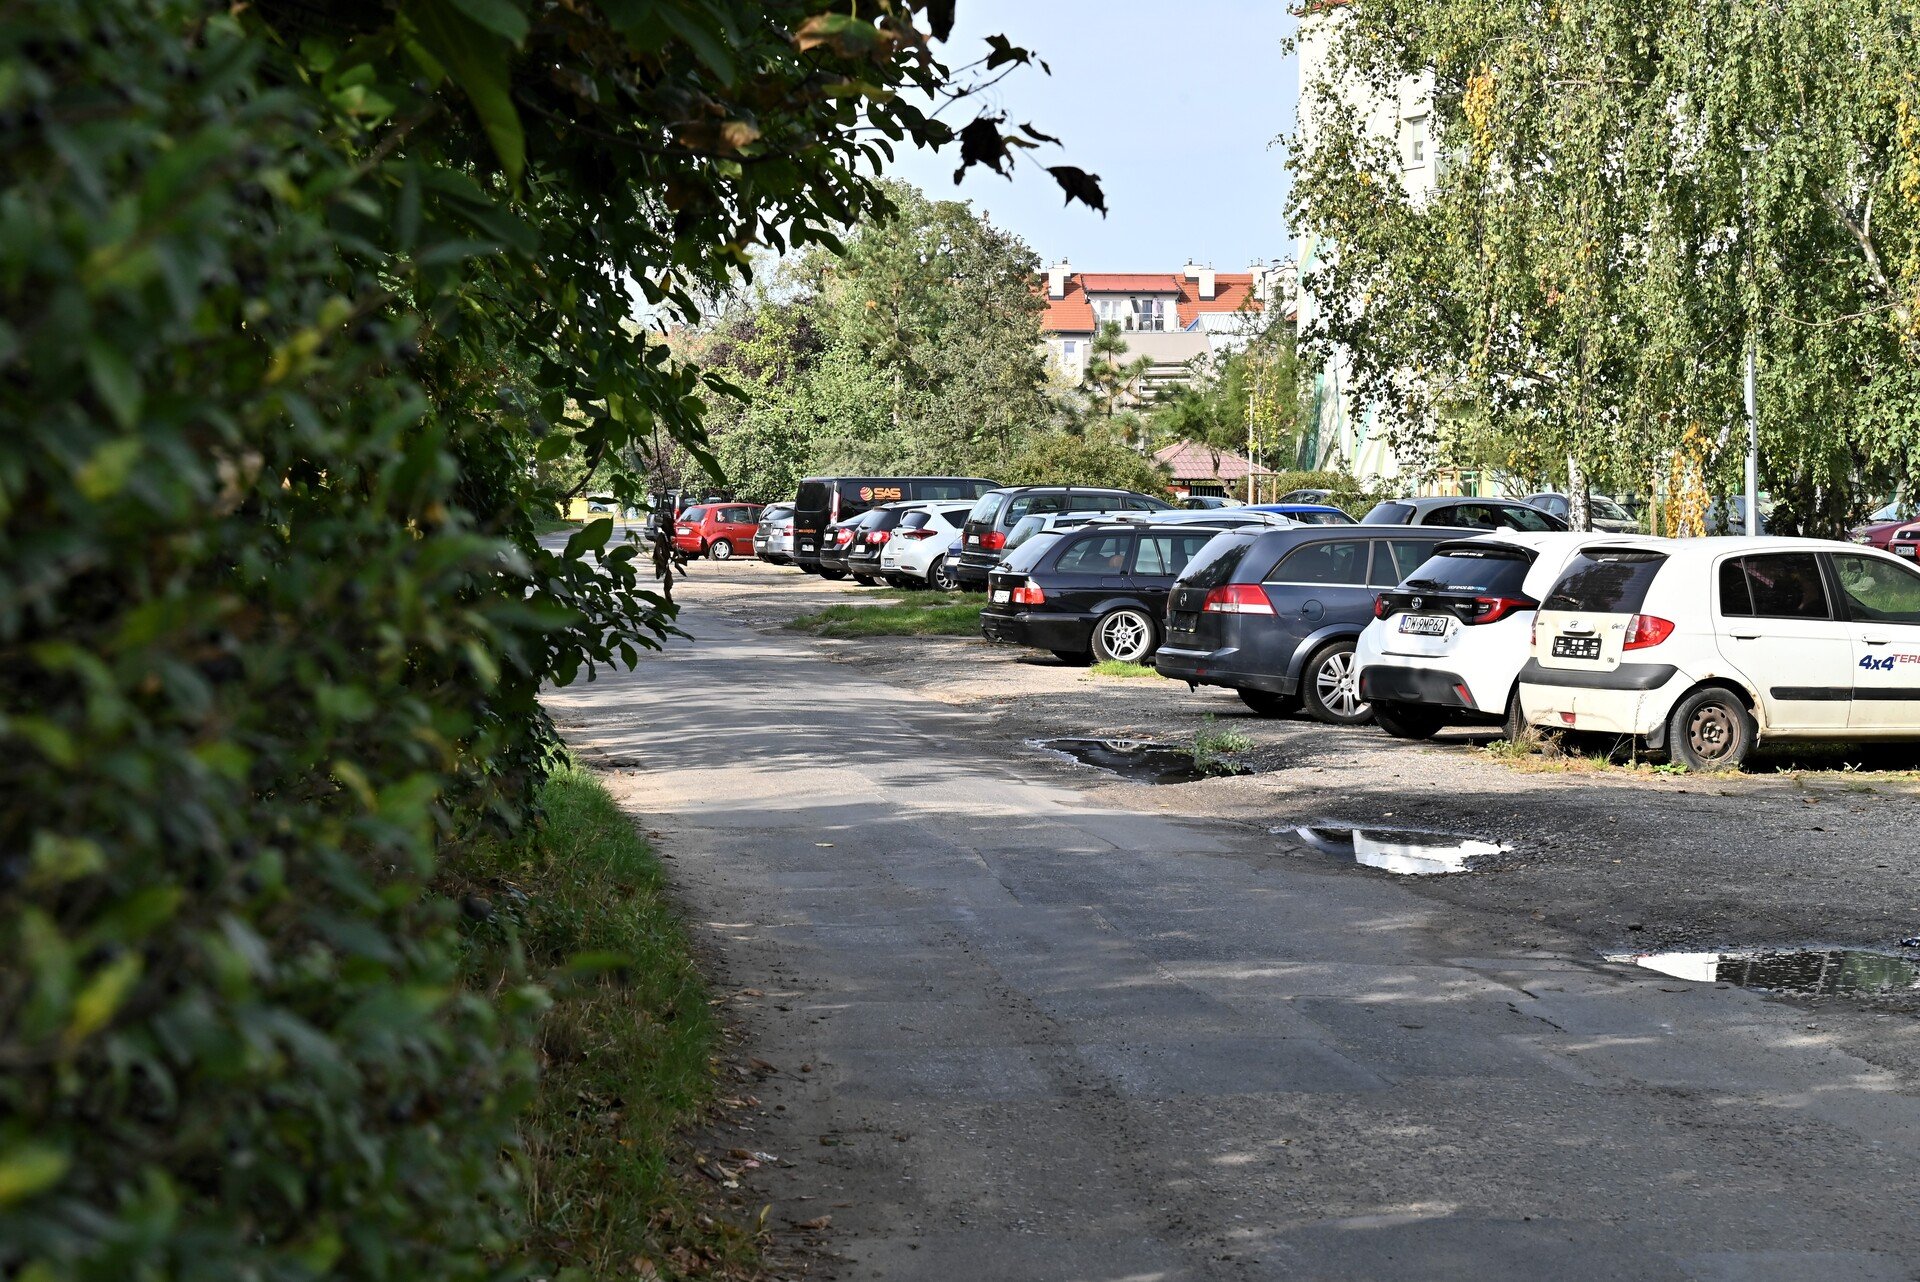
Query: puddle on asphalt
{"points": [[1812, 972], [1137, 760], [1413, 854]]}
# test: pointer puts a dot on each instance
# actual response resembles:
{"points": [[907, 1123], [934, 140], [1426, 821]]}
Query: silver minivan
{"points": [[773, 538]]}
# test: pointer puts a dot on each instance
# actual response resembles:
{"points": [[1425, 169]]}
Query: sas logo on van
{"points": [[881, 493]]}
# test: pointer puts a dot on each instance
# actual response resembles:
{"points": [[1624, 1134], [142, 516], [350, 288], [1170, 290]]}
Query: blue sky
{"points": [[1175, 106]]}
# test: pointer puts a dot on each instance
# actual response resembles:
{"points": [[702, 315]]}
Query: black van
{"points": [[826, 499]]}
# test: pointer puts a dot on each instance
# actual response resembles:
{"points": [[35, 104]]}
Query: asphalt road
{"points": [[1024, 1033]]}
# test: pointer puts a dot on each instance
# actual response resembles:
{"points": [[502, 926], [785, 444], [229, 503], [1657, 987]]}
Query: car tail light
{"points": [[992, 541], [1380, 606], [1645, 630], [876, 537], [1237, 598], [1491, 609], [1029, 593], [916, 535], [786, 529]]}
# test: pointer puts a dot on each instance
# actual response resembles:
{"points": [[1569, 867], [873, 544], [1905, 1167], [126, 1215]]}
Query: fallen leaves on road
{"points": [[824, 1222]]}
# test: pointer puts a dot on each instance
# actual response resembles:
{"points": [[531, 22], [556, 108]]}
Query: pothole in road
{"points": [[1138, 760], [1397, 850], [1808, 972]]}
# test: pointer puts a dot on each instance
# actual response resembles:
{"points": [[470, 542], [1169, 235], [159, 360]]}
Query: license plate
{"points": [[974, 539], [1899, 550], [806, 547], [1423, 625], [1576, 647], [1002, 596]]}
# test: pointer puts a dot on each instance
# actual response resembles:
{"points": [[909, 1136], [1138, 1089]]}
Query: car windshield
{"points": [[1025, 528], [1320, 518], [914, 520], [1898, 510], [1600, 581], [1215, 563], [1493, 571], [1028, 554], [987, 507]]}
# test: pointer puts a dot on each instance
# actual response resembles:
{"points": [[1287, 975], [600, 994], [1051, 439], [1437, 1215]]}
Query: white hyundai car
{"points": [[1704, 647], [1447, 644], [916, 550]]}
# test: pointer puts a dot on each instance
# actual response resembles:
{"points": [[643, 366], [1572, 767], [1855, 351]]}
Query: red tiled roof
{"points": [[1127, 282], [1073, 314], [1192, 461]]}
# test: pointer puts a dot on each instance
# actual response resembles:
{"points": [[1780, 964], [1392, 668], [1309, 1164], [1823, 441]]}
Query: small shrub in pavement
{"points": [[957, 620], [1116, 668]]}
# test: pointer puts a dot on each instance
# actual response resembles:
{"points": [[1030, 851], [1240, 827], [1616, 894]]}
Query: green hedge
{"points": [[298, 299]]}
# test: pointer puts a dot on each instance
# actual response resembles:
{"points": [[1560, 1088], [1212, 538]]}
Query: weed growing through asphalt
{"points": [[1115, 668], [943, 618], [1210, 745]]}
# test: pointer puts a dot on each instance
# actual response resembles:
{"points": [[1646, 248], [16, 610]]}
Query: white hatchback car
{"points": [[1704, 647], [917, 547], [1448, 644]]}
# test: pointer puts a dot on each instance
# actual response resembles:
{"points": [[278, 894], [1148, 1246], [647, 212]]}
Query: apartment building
{"points": [[1173, 318]]}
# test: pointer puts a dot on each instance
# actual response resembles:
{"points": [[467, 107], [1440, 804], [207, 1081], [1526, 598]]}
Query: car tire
{"points": [[721, 550], [1516, 725], [833, 574], [1409, 720], [1711, 730], [866, 580], [940, 578], [1268, 704], [1125, 635], [1331, 686], [1073, 658]]}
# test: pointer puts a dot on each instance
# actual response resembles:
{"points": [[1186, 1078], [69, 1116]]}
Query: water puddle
{"points": [[1137, 760], [1412, 854], [1812, 972]]}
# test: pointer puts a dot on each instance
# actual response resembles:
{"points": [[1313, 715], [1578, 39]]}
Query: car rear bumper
{"points": [[1632, 699], [687, 542], [1223, 667], [972, 572], [1073, 632], [1395, 683]]}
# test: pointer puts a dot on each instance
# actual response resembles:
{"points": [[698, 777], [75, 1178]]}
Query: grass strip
{"points": [[945, 620], [1115, 668], [627, 1051]]}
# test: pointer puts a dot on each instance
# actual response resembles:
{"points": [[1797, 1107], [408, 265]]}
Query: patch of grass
{"points": [[627, 1050], [553, 524], [918, 596], [1210, 745], [1115, 668], [948, 619]]}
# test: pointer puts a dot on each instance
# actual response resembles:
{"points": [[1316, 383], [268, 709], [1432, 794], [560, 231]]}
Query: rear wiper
{"points": [[1432, 583]]}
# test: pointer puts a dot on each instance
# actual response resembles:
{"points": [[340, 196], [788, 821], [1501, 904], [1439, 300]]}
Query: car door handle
{"points": [[1744, 636], [1876, 640]]}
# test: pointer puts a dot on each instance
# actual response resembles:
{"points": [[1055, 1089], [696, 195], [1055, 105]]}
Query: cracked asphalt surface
{"points": [[1020, 1022]]}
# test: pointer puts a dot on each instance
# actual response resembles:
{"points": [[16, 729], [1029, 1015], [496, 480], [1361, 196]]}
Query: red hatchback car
{"points": [[717, 530]]}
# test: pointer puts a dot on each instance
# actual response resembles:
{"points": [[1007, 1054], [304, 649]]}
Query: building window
{"points": [[1067, 347], [1416, 141], [1150, 314]]}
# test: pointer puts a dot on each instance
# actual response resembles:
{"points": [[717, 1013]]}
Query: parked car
{"points": [[1602, 511], [1205, 502], [718, 530], [872, 533], [1905, 541], [835, 542], [918, 551], [1880, 527], [823, 500], [1307, 513], [1097, 589], [773, 538], [1275, 614], [1463, 514], [1305, 496], [1448, 644], [1703, 648], [984, 536]]}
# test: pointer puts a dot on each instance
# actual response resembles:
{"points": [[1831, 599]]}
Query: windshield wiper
{"points": [[1432, 583]]}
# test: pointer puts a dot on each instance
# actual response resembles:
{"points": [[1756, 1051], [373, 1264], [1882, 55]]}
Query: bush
{"points": [[1063, 459]]}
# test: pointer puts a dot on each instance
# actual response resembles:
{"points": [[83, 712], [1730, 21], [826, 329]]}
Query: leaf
{"points": [[847, 36], [709, 45], [107, 469], [502, 17], [115, 380], [476, 60], [29, 1167], [981, 144], [554, 446], [1005, 51], [1036, 135], [95, 1003], [590, 537], [1081, 186], [940, 18]]}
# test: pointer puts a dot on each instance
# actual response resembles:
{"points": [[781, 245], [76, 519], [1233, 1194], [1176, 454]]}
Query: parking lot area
{"points": [[1021, 1006]]}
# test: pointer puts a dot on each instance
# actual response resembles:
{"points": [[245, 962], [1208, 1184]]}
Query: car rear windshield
{"points": [[914, 520], [812, 497], [1215, 563], [1599, 581], [1028, 554], [987, 507], [1389, 514], [693, 515], [1493, 571], [1023, 529]]}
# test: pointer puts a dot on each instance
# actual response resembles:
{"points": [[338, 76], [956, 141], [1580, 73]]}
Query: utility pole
{"points": [[1753, 438]]}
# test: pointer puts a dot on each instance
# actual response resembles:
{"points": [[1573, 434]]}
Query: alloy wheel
{"points": [[1337, 682], [1126, 636]]}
